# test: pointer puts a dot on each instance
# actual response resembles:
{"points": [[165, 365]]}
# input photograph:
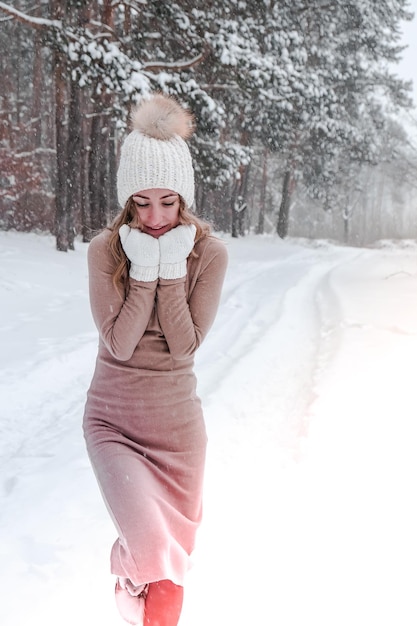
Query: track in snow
{"points": [[306, 380]]}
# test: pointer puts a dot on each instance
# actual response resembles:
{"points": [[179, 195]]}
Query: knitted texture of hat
{"points": [[155, 155]]}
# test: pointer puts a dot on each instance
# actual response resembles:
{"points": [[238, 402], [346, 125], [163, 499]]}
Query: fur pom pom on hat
{"points": [[155, 154]]}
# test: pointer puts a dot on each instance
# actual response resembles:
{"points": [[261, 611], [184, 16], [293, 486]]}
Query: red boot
{"points": [[163, 604]]}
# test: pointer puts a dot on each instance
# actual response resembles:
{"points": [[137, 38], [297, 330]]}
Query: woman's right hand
{"points": [[142, 250]]}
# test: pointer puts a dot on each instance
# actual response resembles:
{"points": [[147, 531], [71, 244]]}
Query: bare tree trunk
{"points": [[73, 177], [346, 224], [36, 127], [127, 23], [112, 200], [261, 217], [244, 213], [234, 201], [61, 224], [238, 202], [238, 198], [108, 13], [102, 198], [97, 175], [284, 209]]}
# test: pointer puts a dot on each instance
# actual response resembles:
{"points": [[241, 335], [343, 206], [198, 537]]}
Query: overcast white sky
{"points": [[408, 66]]}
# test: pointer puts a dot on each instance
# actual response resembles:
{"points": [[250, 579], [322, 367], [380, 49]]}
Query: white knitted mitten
{"points": [[142, 250], [175, 247]]}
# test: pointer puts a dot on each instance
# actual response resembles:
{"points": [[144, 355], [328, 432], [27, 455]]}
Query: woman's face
{"points": [[158, 210]]}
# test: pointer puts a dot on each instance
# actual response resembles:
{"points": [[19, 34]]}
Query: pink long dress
{"points": [[143, 421]]}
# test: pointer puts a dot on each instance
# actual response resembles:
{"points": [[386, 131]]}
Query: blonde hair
{"points": [[129, 215]]}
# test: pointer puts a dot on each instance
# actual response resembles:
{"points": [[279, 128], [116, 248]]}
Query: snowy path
{"points": [[308, 385]]}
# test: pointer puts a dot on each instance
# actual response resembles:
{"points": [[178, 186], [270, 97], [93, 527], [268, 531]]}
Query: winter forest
{"points": [[305, 154], [302, 122]]}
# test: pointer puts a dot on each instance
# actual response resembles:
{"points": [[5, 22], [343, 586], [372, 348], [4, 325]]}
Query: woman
{"points": [[155, 281]]}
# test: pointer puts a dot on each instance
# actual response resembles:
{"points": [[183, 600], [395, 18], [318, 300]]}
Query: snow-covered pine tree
{"points": [[350, 45], [308, 81], [304, 82]]}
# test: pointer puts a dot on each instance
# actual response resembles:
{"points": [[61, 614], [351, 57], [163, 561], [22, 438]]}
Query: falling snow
{"points": [[308, 384]]}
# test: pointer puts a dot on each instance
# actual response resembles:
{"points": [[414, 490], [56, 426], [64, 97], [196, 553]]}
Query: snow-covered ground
{"points": [[308, 379]]}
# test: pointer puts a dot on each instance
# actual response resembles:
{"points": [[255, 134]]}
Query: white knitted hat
{"points": [[155, 155]]}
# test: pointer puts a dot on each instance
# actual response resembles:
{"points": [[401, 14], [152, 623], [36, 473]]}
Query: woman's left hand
{"points": [[175, 247]]}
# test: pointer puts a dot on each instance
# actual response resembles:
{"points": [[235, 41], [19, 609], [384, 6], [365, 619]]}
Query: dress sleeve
{"points": [[121, 320], [184, 322]]}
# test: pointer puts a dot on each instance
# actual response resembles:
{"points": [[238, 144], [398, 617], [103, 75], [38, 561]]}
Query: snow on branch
{"points": [[35, 22], [176, 66]]}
